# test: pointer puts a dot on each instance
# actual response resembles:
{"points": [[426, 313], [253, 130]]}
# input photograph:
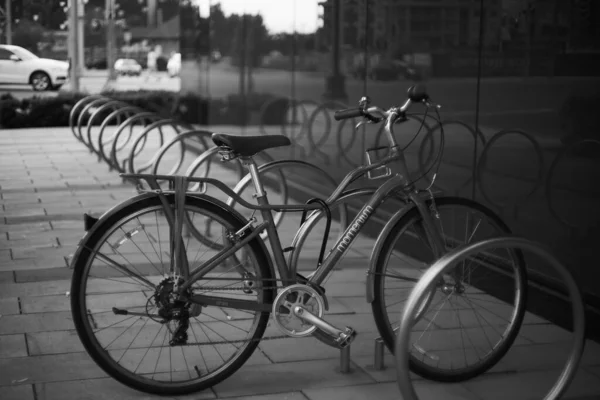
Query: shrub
{"points": [[97, 64], [194, 109], [37, 112]]}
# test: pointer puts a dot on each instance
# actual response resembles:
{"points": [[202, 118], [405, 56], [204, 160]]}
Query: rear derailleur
{"points": [[171, 308]]}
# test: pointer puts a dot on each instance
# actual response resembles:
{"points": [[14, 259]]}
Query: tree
{"points": [[220, 30], [250, 37], [194, 34], [28, 34]]}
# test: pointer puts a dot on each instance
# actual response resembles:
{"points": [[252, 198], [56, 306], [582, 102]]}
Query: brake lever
{"points": [[363, 122], [431, 104]]}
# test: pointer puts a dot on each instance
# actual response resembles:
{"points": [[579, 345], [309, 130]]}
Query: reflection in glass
{"points": [[536, 87]]}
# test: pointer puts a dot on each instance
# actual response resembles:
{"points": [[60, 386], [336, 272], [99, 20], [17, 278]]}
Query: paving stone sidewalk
{"points": [[48, 180]]}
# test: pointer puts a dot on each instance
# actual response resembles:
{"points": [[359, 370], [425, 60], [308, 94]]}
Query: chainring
{"points": [[293, 296]]}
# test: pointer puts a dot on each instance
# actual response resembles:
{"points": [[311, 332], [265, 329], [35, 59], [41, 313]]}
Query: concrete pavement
{"points": [[48, 179]]}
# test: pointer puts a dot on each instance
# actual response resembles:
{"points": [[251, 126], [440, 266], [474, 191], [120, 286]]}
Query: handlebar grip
{"points": [[348, 113], [417, 93]]}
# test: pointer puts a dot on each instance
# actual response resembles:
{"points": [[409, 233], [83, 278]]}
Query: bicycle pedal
{"points": [[347, 337]]}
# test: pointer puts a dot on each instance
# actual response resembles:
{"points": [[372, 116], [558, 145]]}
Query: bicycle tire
{"points": [[79, 311], [383, 322]]}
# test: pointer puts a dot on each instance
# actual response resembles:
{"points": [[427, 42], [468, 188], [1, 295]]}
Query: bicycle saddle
{"points": [[247, 146]]}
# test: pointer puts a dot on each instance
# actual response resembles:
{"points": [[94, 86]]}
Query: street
{"points": [[94, 81]]}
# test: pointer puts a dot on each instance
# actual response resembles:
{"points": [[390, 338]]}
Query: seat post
{"points": [[273, 235], [249, 162]]}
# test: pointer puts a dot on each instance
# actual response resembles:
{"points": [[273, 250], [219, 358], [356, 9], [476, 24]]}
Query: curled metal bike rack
{"points": [[427, 154], [483, 160], [316, 145], [427, 282], [115, 147]]}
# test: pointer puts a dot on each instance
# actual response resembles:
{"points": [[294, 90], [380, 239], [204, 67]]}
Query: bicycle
{"points": [[243, 284]]}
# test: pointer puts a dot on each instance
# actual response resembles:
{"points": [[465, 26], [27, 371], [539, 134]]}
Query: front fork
{"points": [[428, 230]]}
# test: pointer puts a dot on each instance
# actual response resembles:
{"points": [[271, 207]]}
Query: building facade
{"points": [[414, 25]]}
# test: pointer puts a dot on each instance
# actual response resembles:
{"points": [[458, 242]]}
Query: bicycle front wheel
{"points": [[134, 326], [472, 318]]}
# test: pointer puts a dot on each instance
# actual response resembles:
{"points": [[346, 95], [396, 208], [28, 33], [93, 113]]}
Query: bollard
{"points": [[378, 356], [345, 360]]}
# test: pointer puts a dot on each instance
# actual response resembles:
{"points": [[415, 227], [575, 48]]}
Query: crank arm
{"points": [[342, 338]]}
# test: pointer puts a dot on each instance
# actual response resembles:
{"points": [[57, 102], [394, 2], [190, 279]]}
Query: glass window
{"points": [[5, 54], [23, 54]]}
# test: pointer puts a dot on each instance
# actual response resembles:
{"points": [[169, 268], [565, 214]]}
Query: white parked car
{"points": [[174, 65], [128, 66], [19, 66]]}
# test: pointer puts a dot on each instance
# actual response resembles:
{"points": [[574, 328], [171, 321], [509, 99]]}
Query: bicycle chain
{"points": [[214, 288]]}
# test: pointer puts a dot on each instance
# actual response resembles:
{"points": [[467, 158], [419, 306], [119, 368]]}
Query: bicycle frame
{"points": [[397, 183]]}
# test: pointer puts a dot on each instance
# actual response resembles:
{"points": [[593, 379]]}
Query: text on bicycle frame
{"points": [[354, 229]]}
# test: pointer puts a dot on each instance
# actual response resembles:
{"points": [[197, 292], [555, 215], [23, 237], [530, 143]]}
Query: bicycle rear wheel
{"points": [[132, 324], [485, 297]]}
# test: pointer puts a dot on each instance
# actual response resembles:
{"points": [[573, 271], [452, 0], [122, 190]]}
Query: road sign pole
{"points": [[110, 39], [8, 23], [80, 38], [73, 45]]}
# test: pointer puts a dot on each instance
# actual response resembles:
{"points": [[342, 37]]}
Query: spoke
{"points": [[158, 233], [112, 280], [199, 348], [159, 354], [201, 255], [462, 340], [489, 324], [186, 362], [214, 346], [406, 278], [235, 282], [110, 262], [122, 333], [148, 349], [218, 320], [149, 239], [232, 343], [130, 238], [118, 322], [436, 313], [132, 340], [406, 259], [482, 328]]}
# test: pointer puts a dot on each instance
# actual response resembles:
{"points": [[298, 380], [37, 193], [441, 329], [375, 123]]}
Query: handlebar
{"points": [[416, 94]]}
